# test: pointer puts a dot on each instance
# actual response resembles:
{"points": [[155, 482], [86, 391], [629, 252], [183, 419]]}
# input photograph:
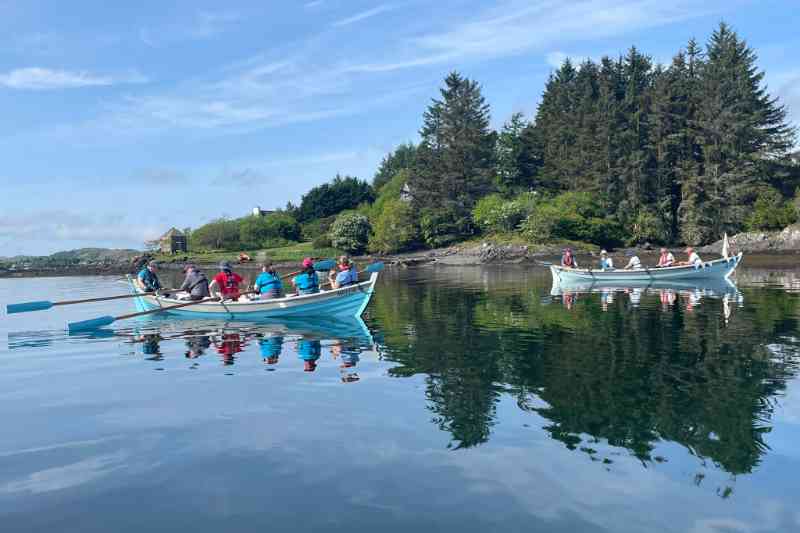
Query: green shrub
{"points": [[350, 232], [270, 231], [220, 234], [648, 227], [322, 241], [395, 229], [771, 212], [315, 228], [496, 214], [572, 216], [443, 226]]}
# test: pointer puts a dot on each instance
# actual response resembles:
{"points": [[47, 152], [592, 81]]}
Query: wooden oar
{"points": [[43, 305], [369, 269], [107, 320]]}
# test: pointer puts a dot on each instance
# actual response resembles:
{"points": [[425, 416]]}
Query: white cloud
{"points": [[38, 78], [363, 15], [312, 5], [55, 225], [516, 26]]}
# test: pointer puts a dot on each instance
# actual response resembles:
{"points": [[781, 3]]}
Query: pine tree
{"points": [[741, 127], [512, 173], [455, 160]]}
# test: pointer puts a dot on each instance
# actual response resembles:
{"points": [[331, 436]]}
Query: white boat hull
{"points": [[718, 269]]}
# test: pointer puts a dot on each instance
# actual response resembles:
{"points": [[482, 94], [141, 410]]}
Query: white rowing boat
{"points": [[718, 269]]}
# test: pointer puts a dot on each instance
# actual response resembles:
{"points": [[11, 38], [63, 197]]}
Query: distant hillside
{"points": [[70, 258]]}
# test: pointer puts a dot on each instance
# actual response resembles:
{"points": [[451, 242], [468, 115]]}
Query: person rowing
{"points": [[693, 259], [147, 279], [347, 274], [633, 263], [268, 284], [606, 263], [226, 283], [666, 259], [195, 283], [568, 260], [307, 282]]}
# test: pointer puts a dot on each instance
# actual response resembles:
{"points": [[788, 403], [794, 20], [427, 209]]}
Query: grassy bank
{"points": [[293, 252]]}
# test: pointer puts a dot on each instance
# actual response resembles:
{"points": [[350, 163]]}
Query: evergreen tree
{"points": [[513, 172], [455, 160], [401, 159]]}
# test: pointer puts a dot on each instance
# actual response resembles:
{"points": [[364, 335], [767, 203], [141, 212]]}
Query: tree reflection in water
{"points": [[599, 367]]}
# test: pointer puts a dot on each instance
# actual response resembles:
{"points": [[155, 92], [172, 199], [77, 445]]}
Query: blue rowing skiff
{"points": [[347, 301]]}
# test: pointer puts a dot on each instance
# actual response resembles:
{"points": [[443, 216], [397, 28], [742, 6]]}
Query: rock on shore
{"points": [[784, 241]]}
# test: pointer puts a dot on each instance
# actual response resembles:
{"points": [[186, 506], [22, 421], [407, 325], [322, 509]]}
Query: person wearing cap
{"points": [[268, 283], [147, 279], [633, 263], [226, 282], [568, 260], [307, 282], [347, 274], [694, 259], [666, 259], [606, 263], [195, 283]]}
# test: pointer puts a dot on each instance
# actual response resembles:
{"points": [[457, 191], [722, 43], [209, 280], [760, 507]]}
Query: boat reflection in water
{"points": [[154, 340], [690, 293]]}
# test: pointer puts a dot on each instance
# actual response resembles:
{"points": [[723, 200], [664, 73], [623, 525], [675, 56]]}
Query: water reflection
{"points": [[625, 367], [605, 371]]}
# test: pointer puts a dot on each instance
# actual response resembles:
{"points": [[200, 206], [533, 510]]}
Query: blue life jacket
{"points": [[347, 277], [149, 279], [307, 283], [268, 282]]}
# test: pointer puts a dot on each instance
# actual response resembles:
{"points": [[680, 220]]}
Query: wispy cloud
{"points": [[363, 15], [40, 79], [517, 26], [312, 5], [202, 25]]}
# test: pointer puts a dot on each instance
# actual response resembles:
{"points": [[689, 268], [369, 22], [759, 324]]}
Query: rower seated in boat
{"points": [[147, 279], [693, 259], [606, 263], [347, 274], [633, 263], [307, 282], [568, 260], [268, 284], [195, 283], [666, 259], [226, 283]]}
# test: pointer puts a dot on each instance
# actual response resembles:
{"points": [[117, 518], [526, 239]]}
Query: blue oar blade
{"points": [[374, 267], [24, 307], [94, 323], [326, 264]]}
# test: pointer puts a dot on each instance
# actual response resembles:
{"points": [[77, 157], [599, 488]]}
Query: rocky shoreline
{"points": [[785, 242]]}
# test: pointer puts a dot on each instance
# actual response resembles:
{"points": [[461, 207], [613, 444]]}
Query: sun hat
{"points": [[603, 252]]}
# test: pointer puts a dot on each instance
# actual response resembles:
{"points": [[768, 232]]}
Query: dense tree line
{"points": [[619, 151]]}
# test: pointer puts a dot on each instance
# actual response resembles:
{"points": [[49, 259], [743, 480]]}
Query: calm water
{"points": [[469, 400]]}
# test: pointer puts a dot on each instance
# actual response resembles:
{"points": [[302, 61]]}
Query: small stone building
{"points": [[172, 242]]}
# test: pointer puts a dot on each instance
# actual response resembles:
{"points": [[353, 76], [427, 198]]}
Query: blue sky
{"points": [[120, 120]]}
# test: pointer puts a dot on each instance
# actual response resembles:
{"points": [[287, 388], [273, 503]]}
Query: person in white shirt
{"points": [[606, 263], [633, 262], [694, 259]]}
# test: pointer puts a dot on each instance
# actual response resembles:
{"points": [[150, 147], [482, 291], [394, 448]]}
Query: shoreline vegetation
{"points": [[621, 153]]}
